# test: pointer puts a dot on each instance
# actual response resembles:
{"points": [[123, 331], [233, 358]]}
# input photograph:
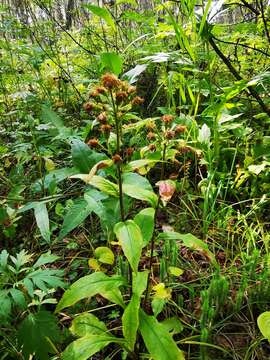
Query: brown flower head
{"points": [[121, 96], [137, 100], [89, 107], [185, 149], [170, 134], [106, 128], [100, 89], [93, 143], [93, 94], [151, 136], [102, 118], [110, 81], [129, 151], [117, 159], [180, 129], [167, 118], [152, 147], [131, 89]]}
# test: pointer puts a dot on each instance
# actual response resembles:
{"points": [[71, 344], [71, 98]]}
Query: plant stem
{"points": [[119, 166], [152, 246]]}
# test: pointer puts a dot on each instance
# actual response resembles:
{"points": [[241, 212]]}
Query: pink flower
{"points": [[166, 190]]}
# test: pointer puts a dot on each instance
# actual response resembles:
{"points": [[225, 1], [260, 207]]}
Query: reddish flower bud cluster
{"points": [[167, 119], [110, 81]]}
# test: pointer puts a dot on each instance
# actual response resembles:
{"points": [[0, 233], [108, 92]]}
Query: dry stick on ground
{"points": [[236, 74]]}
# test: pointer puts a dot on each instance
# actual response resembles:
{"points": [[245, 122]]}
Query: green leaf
{"points": [[157, 305], [263, 322], [5, 307], [180, 35], [204, 17], [95, 204], [173, 325], [55, 176], [3, 259], [45, 279], [87, 324], [131, 2], [85, 347], [136, 165], [46, 258], [145, 220], [103, 13], [139, 188], [130, 318], [191, 242], [158, 340], [81, 155], [130, 238], [91, 285], [42, 219], [111, 62], [36, 333], [104, 255], [104, 185], [175, 271], [78, 212], [18, 297], [48, 115]]}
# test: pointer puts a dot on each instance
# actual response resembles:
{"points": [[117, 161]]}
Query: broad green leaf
{"points": [[5, 307], [173, 325], [136, 165], [157, 305], [36, 333], [44, 279], [91, 285], [131, 2], [83, 157], [104, 255], [111, 62], [139, 188], [18, 297], [88, 177], [42, 219], [103, 13], [97, 206], [85, 347], [191, 242], [130, 238], [130, 318], [145, 220], [140, 194], [48, 115], [3, 259], [158, 340], [175, 271], [87, 324], [55, 176], [104, 185], [263, 322], [46, 258], [78, 212]]}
